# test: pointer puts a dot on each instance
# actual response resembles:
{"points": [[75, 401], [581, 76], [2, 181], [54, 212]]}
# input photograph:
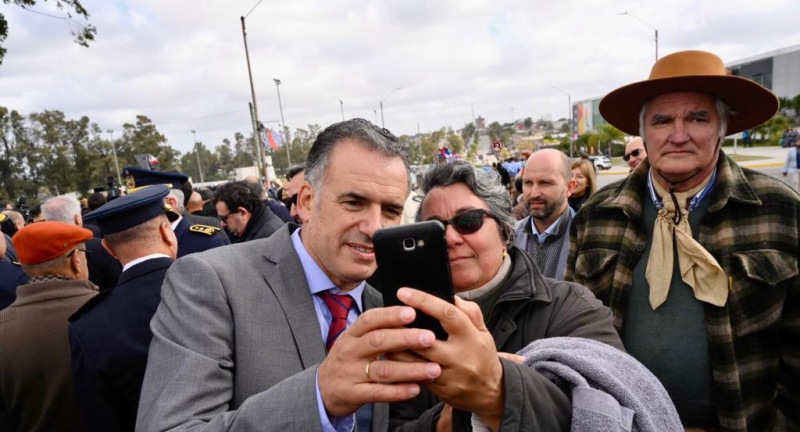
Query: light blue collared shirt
{"points": [[318, 282], [551, 230]]}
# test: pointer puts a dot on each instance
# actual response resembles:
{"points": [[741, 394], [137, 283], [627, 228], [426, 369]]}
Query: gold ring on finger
{"points": [[366, 371]]}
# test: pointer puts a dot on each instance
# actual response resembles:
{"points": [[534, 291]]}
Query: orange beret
{"points": [[43, 241]]}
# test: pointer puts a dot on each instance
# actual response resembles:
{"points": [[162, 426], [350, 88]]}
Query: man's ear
{"points": [[167, 235], [305, 199], [108, 249], [75, 262], [571, 184]]}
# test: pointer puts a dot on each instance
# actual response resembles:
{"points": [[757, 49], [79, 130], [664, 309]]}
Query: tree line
{"points": [[46, 153]]}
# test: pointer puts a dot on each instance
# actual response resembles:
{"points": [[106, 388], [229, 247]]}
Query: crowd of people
{"points": [[259, 307]]}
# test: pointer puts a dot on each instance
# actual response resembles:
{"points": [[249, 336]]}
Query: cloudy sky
{"points": [[182, 63]]}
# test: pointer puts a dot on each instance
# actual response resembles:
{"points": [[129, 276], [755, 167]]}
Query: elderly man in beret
{"points": [[697, 256], [35, 378], [110, 335]]}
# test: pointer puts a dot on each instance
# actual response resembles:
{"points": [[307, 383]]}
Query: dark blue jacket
{"points": [[109, 338], [197, 238], [11, 276], [104, 269]]}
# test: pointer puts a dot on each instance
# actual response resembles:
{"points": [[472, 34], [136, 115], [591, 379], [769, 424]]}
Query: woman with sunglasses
{"points": [[513, 306], [585, 182]]}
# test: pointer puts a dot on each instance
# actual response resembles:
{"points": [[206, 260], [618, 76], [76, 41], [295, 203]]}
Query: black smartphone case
{"points": [[415, 256]]}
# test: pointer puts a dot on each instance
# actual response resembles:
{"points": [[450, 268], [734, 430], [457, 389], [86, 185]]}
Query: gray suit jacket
{"points": [[236, 344]]}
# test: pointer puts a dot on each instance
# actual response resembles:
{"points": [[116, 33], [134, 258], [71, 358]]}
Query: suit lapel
{"points": [[285, 278]]}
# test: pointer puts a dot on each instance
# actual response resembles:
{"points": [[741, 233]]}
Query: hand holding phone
{"points": [[415, 256]]}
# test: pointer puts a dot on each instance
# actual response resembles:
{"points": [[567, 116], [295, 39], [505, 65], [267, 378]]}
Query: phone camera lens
{"points": [[408, 244]]}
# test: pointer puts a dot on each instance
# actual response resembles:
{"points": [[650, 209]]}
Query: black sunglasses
{"points": [[467, 222], [289, 201], [634, 153]]}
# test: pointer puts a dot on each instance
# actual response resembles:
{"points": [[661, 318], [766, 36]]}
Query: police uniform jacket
{"points": [[11, 276], [104, 269], [109, 339], [197, 238]]}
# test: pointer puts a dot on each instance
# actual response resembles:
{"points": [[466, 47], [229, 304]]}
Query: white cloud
{"points": [[182, 62]]}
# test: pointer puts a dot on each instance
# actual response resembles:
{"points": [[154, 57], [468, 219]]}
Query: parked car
{"points": [[601, 162], [789, 138]]}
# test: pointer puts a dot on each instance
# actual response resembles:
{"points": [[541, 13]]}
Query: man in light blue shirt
{"points": [[546, 184], [282, 333]]}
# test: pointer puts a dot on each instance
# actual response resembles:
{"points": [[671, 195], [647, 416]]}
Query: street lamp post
{"points": [[254, 113], [569, 107], [647, 24], [114, 151], [197, 153], [374, 111], [341, 105], [382, 100], [285, 129], [420, 121]]}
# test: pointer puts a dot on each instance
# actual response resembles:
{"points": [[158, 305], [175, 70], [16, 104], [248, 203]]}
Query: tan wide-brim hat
{"points": [[691, 71]]}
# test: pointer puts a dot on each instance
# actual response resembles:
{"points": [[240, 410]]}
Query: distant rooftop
{"points": [[765, 55]]}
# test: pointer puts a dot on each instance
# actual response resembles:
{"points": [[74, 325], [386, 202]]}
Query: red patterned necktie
{"points": [[339, 305]]}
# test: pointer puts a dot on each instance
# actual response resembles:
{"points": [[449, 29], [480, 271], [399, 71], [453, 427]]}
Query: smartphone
{"points": [[415, 256]]}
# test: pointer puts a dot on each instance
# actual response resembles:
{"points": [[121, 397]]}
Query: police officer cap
{"points": [[136, 177], [130, 210]]}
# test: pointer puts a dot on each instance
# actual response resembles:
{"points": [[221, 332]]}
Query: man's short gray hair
{"points": [[484, 184], [369, 135], [178, 194], [62, 208], [724, 112]]}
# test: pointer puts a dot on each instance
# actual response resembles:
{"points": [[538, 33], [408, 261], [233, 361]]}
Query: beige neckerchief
{"points": [[698, 268]]}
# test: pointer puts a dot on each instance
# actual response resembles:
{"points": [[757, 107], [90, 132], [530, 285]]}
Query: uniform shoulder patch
{"points": [[204, 229]]}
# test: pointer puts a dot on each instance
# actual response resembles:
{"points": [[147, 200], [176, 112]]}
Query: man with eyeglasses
{"points": [[243, 214], [110, 335], [634, 152], [546, 184], [35, 378]]}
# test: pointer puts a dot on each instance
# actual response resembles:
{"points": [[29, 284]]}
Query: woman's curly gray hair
{"points": [[484, 184]]}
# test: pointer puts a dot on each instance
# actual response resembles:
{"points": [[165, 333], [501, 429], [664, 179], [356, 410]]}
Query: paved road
{"points": [[772, 163]]}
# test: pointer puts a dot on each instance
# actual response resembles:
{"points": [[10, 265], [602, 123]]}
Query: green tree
{"points": [[607, 135], [83, 33], [243, 151], [773, 128], [455, 143], [143, 137], [468, 131], [528, 122], [495, 130]]}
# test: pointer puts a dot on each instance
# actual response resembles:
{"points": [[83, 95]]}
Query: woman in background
{"points": [[586, 182]]}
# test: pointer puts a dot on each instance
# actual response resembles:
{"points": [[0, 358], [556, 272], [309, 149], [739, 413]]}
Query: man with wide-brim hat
{"points": [[697, 256]]}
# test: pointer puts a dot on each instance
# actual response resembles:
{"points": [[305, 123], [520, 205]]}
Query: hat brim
{"points": [[751, 104]]}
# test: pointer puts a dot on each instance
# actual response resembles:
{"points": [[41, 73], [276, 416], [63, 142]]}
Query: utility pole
{"points": [[254, 113], [114, 150], [341, 105], [285, 129], [197, 153]]}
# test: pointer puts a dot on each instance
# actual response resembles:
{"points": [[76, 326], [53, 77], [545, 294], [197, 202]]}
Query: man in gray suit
{"points": [[244, 336]]}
